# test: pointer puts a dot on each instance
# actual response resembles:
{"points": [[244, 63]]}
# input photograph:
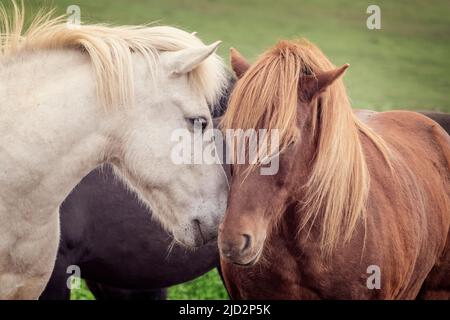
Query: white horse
{"points": [[74, 98]]}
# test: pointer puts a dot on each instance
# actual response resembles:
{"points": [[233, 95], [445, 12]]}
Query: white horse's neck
{"points": [[52, 133]]}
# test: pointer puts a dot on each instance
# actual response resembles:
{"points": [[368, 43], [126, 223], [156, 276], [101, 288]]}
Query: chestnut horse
{"points": [[359, 208]]}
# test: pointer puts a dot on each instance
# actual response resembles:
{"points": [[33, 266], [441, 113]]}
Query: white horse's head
{"points": [[189, 199]]}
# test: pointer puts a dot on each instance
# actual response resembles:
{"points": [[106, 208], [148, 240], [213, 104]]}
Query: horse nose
{"points": [[236, 248]]}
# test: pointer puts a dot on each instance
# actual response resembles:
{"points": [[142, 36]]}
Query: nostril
{"points": [[197, 224], [247, 242]]}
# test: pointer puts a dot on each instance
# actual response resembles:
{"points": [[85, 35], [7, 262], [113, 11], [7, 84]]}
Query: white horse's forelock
{"points": [[110, 50]]}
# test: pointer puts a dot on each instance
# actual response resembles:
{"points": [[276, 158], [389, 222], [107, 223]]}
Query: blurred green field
{"points": [[405, 65]]}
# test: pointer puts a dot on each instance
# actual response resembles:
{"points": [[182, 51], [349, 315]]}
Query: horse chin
{"points": [[247, 264], [251, 262], [193, 243]]}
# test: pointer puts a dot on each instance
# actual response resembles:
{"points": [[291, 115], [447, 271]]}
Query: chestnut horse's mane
{"points": [[338, 185]]}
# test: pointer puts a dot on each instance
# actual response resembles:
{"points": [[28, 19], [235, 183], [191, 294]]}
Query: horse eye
{"points": [[199, 122]]}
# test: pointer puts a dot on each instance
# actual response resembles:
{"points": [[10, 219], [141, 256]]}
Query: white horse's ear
{"points": [[186, 60]]}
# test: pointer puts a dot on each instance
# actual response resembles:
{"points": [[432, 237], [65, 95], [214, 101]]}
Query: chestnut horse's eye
{"points": [[198, 122]]}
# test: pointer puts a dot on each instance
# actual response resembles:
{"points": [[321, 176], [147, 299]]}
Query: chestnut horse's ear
{"points": [[311, 86], [238, 63]]}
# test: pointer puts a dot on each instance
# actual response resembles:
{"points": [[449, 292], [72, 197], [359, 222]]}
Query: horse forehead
{"points": [[183, 95]]}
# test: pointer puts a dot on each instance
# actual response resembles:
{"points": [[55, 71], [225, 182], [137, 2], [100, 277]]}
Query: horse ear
{"points": [[186, 60], [238, 63], [313, 85]]}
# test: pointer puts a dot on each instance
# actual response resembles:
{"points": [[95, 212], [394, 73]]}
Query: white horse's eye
{"points": [[198, 122]]}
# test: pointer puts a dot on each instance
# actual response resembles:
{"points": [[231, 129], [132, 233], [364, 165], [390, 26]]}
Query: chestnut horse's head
{"points": [[294, 89]]}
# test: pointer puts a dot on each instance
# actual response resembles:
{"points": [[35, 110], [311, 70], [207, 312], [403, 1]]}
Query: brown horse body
{"points": [[402, 237]]}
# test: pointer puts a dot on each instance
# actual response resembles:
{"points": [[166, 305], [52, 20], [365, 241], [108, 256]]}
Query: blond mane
{"points": [[110, 50], [338, 185]]}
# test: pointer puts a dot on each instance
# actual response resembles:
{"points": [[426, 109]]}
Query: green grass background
{"points": [[404, 65]]}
